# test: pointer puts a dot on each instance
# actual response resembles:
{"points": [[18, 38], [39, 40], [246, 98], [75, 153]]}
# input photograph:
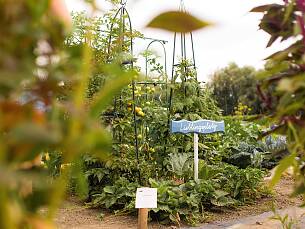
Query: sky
{"points": [[233, 38]]}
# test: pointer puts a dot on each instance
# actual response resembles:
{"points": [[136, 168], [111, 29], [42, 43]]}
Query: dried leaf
{"points": [[263, 8]]}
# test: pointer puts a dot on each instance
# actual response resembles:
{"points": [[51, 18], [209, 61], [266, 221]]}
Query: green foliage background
{"points": [[233, 85]]}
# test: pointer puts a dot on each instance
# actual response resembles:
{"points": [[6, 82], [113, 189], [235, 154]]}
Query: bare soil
{"points": [[73, 214]]}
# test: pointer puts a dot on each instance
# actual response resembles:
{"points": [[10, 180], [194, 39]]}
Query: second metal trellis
{"points": [[184, 57], [184, 64]]}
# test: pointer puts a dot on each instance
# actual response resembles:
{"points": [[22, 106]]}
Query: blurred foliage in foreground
{"points": [[43, 108], [285, 74]]}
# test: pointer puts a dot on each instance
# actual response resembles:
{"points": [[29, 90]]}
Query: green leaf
{"points": [[97, 141], [284, 54], [173, 218], [38, 10], [222, 201], [102, 100], [299, 189], [288, 11], [237, 188], [176, 21], [33, 133], [109, 189], [80, 178], [179, 164], [153, 183], [281, 168], [220, 193]]}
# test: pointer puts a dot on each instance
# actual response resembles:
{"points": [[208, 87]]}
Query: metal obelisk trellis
{"points": [[165, 82], [124, 44], [124, 40]]}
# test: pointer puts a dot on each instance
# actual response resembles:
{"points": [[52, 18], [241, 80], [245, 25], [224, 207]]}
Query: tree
{"points": [[233, 85]]}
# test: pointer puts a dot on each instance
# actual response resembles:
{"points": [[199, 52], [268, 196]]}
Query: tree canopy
{"points": [[233, 85]]}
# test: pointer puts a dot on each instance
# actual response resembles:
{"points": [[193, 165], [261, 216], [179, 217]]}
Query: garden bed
{"points": [[73, 214]]}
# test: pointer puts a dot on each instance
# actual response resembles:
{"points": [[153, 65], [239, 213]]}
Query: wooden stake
{"points": [[142, 218], [196, 160]]}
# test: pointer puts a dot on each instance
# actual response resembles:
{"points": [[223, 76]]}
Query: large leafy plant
{"points": [[219, 185]]}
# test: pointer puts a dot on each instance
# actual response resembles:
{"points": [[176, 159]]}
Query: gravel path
{"points": [[261, 221]]}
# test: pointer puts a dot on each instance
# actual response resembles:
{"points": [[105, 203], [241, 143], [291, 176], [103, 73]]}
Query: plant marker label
{"points": [[146, 198], [198, 127]]}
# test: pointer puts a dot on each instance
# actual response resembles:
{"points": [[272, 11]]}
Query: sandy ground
{"points": [[74, 215]]}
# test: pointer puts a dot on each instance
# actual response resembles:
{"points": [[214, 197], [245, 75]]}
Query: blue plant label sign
{"points": [[199, 127]]}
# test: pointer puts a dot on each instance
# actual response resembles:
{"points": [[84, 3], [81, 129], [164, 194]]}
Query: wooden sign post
{"points": [[197, 127], [142, 218], [146, 198]]}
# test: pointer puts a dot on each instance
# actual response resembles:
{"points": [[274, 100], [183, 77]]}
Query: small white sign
{"points": [[146, 198]]}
